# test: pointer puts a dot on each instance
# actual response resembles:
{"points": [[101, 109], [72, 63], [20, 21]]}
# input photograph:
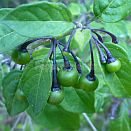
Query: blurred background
{"points": [[14, 3]]}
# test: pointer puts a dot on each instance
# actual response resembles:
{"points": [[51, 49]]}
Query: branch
{"points": [[16, 122], [89, 121]]}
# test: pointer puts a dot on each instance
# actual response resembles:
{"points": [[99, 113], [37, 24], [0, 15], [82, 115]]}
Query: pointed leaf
{"points": [[36, 82], [119, 82], [56, 118], [111, 10], [10, 41], [40, 28], [41, 19], [73, 103], [14, 102], [4, 12], [42, 11]]}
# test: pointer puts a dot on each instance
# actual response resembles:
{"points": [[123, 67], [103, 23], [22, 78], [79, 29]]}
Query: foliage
{"points": [[36, 26]]}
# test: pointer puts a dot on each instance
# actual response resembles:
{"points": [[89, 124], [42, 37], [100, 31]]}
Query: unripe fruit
{"points": [[20, 57], [68, 77], [88, 85], [56, 97], [113, 66]]}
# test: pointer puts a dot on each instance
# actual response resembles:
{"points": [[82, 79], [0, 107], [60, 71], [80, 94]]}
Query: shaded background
{"points": [[14, 3]]}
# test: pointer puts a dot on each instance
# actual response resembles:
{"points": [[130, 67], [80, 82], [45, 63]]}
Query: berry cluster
{"points": [[69, 76]]}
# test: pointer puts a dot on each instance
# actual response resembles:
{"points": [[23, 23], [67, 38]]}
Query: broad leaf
{"points": [[10, 41], [102, 92], [56, 118], [119, 82], [111, 10], [4, 12], [42, 11], [36, 82], [101, 95], [41, 28], [4, 30], [73, 103], [15, 103], [42, 53], [88, 99], [41, 19]]}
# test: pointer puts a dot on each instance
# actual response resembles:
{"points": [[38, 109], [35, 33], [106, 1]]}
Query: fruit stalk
{"points": [[54, 72], [114, 38]]}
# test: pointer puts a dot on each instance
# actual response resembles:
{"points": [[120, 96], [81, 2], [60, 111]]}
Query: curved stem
{"points": [[98, 36], [66, 61], [92, 72], [78, 66], [67, 46], [101, 54], [50, 52], [54, 72], [25, 44], [114, 38], [109, 55]]}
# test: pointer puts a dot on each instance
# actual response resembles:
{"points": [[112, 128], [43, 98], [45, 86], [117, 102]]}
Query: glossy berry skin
{"points": [[68, 78], [113, 66], [20, 57], [56, 97], [88, 85]]}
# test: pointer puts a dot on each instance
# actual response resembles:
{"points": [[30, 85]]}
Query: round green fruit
{"points": [[56, 97], [113, 66], [20, 57], [67, 77], [88, 85]]}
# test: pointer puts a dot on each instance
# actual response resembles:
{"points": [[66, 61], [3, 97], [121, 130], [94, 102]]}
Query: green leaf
{"points": [[42, 11], [111, 11], [102, 92], [128, 25], [42, 53], [75, 9], [119, 82], [88, 99], [119, 29], [41, 19], [14, 103], [41, 28], [10, 41], [4, 30], [56, 118], [36, 82], [73, 103], [4, 12], [81, 37], [121, 123]]}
